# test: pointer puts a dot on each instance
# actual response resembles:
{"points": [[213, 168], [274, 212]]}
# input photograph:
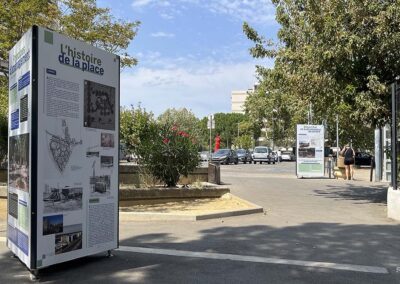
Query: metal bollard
{"points": [[372, 168], [330, 167]]}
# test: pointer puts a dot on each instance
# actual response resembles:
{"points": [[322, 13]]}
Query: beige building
{"points": [[237, 100]]}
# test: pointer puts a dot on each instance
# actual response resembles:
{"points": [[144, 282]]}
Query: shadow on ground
{"points": [[357, 192], [376, 245]]}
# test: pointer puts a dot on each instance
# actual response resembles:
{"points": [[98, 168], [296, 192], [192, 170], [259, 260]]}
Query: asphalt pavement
{"points": [[312, 231]]}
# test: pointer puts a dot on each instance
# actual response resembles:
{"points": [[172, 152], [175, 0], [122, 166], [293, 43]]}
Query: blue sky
{"points": [[192, 53]]}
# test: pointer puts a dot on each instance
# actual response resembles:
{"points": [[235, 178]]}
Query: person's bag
{"points": [[340, 161]]}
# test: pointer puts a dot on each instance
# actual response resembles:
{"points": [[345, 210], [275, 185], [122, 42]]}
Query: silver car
{"points": [[263, 154]]}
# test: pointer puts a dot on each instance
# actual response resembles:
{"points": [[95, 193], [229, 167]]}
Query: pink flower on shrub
{"points": [[165, 141], [183, 134], [174, 127]]}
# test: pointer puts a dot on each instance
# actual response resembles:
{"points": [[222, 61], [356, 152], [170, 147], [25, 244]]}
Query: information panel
{"points": [[310, 150], [19, 149], [75, 122]]}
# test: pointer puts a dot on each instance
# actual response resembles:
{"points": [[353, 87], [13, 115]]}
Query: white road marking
{"points": [[258, 259]]}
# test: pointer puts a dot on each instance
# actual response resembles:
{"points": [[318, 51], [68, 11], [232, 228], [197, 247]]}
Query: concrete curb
{"points": [[157, 216]]}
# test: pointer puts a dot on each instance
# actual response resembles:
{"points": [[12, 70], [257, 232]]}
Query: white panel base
{"points": [[393, 203]]}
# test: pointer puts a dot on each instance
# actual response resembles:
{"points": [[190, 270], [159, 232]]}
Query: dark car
{"points": [[225, 156], [244, 156], [362, 159]]}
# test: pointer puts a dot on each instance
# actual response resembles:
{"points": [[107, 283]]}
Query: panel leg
{"points": [[109, 253], [34, 274]]}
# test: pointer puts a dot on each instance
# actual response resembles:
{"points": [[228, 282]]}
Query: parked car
{"points": [[362, 159], [287, 156], [204, 156], [244, 156], [225, 156], [263, 154]]}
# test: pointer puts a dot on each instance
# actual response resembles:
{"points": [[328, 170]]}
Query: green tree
{"points": [[183, 118], [83, 20], [80, 19], [16, 17], [204, 140], [136, 125], [243, 141], [339, 56], [226, 125]]}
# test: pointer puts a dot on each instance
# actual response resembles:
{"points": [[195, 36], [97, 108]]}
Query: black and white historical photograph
{"points": [[99, 106], [19, 162], [62, 198], [306, 152], [92, 154], [13, 205], [53, 224], [24, 109], [61, 146], [106, 161], [304, 144], [69, 240], [99, 184], [107, 140]]}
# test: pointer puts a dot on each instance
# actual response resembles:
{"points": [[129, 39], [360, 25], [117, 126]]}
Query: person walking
{"points": [[349, 156]]}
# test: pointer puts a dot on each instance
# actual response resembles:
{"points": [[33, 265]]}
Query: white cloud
{"points": [[204, 88], [253, 11], [167, 16], [141, 3], [259, 11], [162, 34]]}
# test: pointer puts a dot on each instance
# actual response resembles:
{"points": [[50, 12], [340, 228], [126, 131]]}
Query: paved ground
{"points": [[309, 224]]}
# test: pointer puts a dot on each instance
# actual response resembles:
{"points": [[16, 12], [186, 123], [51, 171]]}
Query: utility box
{"points": [[63, 149]]}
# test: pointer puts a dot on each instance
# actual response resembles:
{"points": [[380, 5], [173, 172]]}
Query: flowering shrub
{"points": [[168, 153]]}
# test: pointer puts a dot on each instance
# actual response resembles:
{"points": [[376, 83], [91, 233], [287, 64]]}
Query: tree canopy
{"points": [[79, 19], [338, 55]]}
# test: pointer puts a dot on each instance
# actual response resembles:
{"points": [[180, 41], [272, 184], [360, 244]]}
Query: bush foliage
{"points": [[166, 151]]}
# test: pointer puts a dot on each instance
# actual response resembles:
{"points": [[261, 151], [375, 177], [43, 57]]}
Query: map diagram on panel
{"points": [[61, 146], [99, 106]]}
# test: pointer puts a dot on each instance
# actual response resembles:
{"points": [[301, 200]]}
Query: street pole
{"points": [[337, 138], [210, 121]]}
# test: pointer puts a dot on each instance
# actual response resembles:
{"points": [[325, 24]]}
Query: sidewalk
{"points": [[363, 174]]}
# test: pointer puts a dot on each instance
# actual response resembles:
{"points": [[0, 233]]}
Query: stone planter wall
{"points": [[171, 193], [3, 175], [129, 174]]}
